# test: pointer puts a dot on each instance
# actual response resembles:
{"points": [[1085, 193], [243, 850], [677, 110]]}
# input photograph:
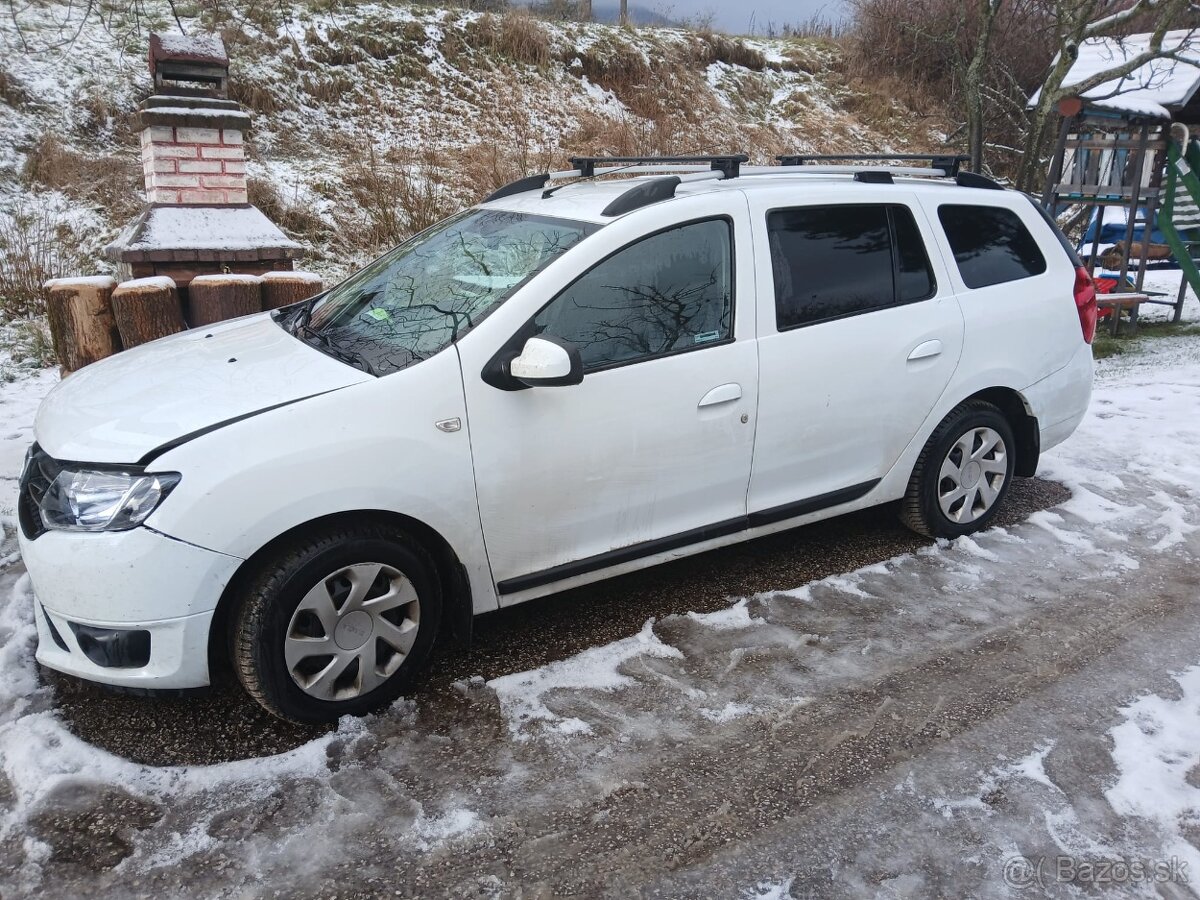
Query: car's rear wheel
{"points": [[337, 624], [962, 474]]}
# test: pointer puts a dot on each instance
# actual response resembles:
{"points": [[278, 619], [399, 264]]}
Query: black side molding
{"points": [[684, 539], [621, 555], [811, 505]]}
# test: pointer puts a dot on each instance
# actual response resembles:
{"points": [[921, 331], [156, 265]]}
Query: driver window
{"points": [[667, 293]]}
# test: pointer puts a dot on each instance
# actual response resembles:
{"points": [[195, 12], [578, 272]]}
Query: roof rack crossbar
{"points": [[895, 171], [729, 163], [948, 163]]}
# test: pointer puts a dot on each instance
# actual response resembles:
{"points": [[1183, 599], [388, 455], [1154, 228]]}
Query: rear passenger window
{"points": [[991, 245], [835, 261]]}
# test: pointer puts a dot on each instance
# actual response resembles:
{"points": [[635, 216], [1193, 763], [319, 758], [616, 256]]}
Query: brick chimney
{"points": [[198, 220], [193, 154]]}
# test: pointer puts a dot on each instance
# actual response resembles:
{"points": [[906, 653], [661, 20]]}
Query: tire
{"points": [[296, 650], [948, 498]]}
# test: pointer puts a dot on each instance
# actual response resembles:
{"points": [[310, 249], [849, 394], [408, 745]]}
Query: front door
{"points": [[652, 451]]}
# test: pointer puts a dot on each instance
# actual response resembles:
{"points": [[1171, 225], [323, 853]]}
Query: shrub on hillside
{"points": [[36, 244], [516, 35]]}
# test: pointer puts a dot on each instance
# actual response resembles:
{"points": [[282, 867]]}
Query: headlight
{"points": [[97, 500]]}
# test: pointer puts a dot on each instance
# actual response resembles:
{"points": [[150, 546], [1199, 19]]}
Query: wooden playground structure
{"points": [[1124, 154]]}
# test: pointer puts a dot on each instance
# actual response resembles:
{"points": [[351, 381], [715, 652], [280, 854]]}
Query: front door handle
{"points": [[926, 350], [722, 393]]}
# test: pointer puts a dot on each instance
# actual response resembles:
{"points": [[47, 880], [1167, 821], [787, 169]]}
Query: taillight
{"points": [[1085, 303]]}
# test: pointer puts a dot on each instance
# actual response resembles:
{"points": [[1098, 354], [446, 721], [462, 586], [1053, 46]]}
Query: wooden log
{"points": [[285, 288], [214, 298], [80, 314], [147, 309]]}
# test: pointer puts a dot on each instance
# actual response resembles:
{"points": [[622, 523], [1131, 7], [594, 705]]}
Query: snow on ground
{"points": [[594, 727]]}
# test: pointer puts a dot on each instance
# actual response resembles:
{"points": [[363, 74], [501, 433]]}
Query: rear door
{"points": [[860, 332], [1016, 292]]}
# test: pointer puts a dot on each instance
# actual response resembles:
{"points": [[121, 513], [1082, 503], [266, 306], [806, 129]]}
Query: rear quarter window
{"points": [[991, 244]]}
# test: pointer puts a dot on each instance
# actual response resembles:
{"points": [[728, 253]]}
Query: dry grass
{"points": [[613, 64], [35, 246], [395, 195], [113, 182], [515, 35], [713, 47], [29, 347], [11, 91], [297, 220]]}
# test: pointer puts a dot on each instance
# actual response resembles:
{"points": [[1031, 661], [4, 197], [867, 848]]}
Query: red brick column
{"points": [[193, 165]]}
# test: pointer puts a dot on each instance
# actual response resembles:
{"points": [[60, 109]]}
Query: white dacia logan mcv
{"points": [[567, 382]]}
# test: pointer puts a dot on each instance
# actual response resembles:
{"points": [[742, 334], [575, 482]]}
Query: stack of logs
{"points": [[94, 317]]}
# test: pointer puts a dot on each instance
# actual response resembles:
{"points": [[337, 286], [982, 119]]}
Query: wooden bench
{"points": [[1118, 302]]}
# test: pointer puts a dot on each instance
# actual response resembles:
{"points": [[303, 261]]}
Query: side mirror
{"points": [[547, 361]]}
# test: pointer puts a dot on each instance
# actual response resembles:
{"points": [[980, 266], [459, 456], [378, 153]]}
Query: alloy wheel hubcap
{"points": [[352, 631], [972, 475]]}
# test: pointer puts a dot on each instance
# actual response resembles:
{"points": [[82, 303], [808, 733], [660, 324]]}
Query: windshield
{"points": [[420, 297]]}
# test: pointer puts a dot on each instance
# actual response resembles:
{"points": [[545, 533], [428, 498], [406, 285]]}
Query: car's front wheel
{"points": [[337, 623], [963, 473]]}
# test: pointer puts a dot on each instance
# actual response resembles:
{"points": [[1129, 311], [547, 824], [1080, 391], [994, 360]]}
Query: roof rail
{"points": [[728, 163], [520, 186], [948, 163], [643, 194], [975, 180]]}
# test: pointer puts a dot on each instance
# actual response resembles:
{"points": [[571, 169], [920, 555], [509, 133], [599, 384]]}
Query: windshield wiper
{"points": [[302, 317], [353, 357]]}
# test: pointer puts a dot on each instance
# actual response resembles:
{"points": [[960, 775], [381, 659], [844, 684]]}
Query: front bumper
{"points": [[178, 651], [130, 580]]}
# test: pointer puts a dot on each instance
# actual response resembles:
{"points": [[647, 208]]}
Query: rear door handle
{"points": [[925, 350], [722, 393]]}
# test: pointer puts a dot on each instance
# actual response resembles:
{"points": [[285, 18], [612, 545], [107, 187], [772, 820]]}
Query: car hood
{"points": [[124, 408]]}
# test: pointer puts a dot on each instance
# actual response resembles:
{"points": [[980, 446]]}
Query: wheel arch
{"points": [[1023, 423], [452, 576]]}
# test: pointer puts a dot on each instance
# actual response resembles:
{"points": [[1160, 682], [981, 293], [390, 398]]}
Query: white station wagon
{"points": [[574, 379]]}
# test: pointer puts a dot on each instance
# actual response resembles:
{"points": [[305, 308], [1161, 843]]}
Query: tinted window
{"points": [[914, 277], [664, 294], [833, 261], [991, 245]]}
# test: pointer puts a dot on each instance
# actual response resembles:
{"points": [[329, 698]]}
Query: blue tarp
{"points": [[1113, 229]]}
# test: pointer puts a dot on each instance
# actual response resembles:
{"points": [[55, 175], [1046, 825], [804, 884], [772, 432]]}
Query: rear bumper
{"points": [[1060, 401], [136, 580]]}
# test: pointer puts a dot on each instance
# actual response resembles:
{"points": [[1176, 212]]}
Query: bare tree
{"points": [[624, 18], [1077, 21], [974, 80], [585, 10]]}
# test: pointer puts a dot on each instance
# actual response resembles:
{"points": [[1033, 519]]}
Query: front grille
{"points": [[40, 471]]}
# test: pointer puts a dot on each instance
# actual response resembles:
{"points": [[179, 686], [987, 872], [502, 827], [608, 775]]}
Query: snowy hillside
{"points": [[375, 120]]}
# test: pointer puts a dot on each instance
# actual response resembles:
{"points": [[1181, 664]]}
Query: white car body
{"points": [[535, 491]]}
